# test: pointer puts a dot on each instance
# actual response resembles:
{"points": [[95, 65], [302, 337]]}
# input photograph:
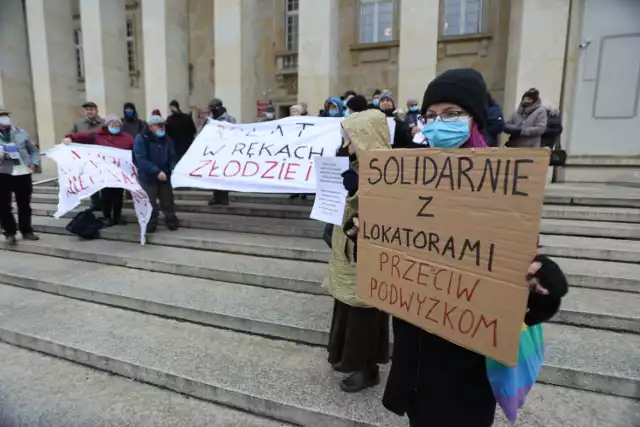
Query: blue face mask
{"points": [[128, 113], [113, 131], [447, 134], [334, 113], [414, 109], [347, 113], [376, 102], [159, 133]]}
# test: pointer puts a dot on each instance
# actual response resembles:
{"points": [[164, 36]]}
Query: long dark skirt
{"points": [[359, 337]]}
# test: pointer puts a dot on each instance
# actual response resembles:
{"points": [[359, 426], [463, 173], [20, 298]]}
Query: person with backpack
{"points": [[155, 157], [109, 135]]}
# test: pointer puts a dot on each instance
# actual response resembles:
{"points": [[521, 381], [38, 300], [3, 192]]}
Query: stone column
{"points": [[318, 49], [165, 26], [105, 53], [16, 86], [418, 55], [535, 58], [53, 62], [235, 47]]}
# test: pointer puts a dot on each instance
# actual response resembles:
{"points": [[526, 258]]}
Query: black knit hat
{"points": [[358, 104], [174, 103], [461, 86], [532, 93]]}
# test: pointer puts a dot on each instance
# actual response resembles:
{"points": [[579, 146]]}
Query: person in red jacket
{"points": [[109, 135]]}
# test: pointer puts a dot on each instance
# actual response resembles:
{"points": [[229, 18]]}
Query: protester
{"points": [[110, 135], [402, 137], [434, 381], [219, 113], [90, 122], [131, 123], [357, 104], [155, 158], [554, 126], [346, 97], [495, 122], [413, 112], [375, 99], [333, 108], [19, 157], [269, 114], [296, 110], [180, 128], [359, 336], [528, 122]]}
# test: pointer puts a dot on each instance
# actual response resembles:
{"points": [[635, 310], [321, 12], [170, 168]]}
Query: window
{"points": [[77, 38], [291, 27], [131, 47], [376, 21], [462, 17]]}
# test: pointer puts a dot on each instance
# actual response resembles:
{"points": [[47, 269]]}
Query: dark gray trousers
{"points": [[164, 192]]}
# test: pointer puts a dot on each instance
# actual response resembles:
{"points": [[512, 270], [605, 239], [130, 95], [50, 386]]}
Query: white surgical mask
{"points": [[5, 121]]}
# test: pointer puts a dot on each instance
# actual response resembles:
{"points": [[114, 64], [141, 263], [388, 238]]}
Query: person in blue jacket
{"points": [[333, 107], [495, 122], [155, 157]]}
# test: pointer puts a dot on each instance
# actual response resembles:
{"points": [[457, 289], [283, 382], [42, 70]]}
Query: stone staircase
{"points": [[228, 313]]}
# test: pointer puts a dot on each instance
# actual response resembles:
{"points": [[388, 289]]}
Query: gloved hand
{"points": [[350, 181]]}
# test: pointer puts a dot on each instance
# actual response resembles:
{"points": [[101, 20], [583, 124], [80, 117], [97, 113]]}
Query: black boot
{"points": [[361, 380]]}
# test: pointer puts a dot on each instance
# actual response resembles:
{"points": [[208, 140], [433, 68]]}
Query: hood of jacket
{"points": [[133, 107], [338, 102], [368, 130]]}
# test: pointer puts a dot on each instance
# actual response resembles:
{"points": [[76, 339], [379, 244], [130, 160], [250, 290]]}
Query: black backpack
{"points": [[85, 225]]}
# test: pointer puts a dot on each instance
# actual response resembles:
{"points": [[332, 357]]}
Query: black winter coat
{"points": [[554, 129], [182, 131], [442, 384]]}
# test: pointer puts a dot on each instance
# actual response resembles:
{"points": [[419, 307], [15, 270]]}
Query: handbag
{"points": [[510, 385], [558, 158]]}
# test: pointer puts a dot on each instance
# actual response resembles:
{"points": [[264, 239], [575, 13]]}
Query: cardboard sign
{"points": [[85, 169], [267, 157], [446, 237]]}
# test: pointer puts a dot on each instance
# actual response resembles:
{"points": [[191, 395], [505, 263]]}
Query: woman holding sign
{"points": [[359, 337], [432, 380]]}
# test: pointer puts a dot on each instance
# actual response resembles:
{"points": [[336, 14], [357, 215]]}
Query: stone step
{"points": [[287, 381], [592, 213], [564, 194], [588, 213], [284, 274], [591, 248], [293, 316], [39, 387], [299, 276], [615, 230], [270, 312], [286, 247], [39, 390]]}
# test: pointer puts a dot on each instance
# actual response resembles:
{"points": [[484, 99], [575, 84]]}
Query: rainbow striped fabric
{"points": [[511, 385]]}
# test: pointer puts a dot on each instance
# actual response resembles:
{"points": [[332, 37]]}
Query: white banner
{"points": [[85, 169], [266, 157]]}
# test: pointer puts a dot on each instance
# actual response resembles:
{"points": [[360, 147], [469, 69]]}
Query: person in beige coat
{"points": [[359, 336], [527, 123]]}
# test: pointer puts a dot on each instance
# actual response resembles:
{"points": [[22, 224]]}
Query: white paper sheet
{"points": [[330, 194]]}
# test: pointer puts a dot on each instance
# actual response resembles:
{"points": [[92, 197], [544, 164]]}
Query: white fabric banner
{"points": [[266, 157], [85, 169]]}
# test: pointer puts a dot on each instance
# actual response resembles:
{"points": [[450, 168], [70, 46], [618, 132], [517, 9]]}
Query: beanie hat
{"points": [[215, 103], [112, 118], [532, 93], [461, 86], [387, 95], [357, 104], [297, 107]]}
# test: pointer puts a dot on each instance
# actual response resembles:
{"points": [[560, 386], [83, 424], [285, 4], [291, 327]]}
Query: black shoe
{"points": [[151, 229], [172, 223], [11, 240], [108, 222], [120, 221], [360, 380], [340, 367]]}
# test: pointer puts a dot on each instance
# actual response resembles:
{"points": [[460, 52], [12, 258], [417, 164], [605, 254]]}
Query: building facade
{"points": [[583, 56]]}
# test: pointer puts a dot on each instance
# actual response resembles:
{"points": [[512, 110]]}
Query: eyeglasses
{"points": [[448, 116]]}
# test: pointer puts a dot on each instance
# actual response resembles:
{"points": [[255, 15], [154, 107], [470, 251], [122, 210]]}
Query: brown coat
{"points": [[526, 126]]}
